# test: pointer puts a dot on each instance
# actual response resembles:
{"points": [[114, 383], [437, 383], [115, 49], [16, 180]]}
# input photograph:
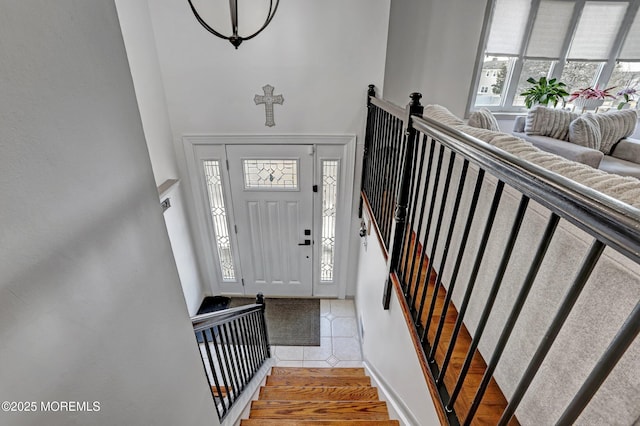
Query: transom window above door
{"points": [[579, 42], [270, 174]]}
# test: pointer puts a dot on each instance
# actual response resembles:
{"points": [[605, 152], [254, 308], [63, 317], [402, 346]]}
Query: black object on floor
{"points": [[214, 303], [211, 304]]}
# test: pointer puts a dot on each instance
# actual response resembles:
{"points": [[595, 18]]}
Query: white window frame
{"points": [[513, 74]]}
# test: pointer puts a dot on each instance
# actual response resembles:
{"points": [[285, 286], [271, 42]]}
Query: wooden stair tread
{"points": [[223, 391], [285, 380], [318, 393], [282, 422], [318, 396], [319, 410], [324, 372]]}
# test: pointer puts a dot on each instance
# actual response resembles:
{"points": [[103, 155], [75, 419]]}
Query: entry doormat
{"points": [[290, 322]]}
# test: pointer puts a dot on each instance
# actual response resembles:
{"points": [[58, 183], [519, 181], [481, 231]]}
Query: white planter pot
{"points": [[587, 104]]}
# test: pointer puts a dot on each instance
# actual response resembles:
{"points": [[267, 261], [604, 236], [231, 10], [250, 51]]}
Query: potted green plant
{"points": [[544, 92], [591, 97]]}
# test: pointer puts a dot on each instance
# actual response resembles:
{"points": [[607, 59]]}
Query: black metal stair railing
{"points": [[233, 345], [385, 148], [412, 159]]}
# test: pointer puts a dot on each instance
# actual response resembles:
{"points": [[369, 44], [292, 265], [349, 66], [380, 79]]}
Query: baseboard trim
{"points": [[403, 413]]}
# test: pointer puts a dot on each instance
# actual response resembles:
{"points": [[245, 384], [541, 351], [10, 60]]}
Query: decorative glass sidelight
{"points": [[329, 200], [219, 218], [270, 174]]}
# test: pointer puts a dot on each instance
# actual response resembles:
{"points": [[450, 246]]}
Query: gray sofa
{"points": [[624, 160]]}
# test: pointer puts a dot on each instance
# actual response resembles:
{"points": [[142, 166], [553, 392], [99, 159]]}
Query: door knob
{"points": [[306, 243]]}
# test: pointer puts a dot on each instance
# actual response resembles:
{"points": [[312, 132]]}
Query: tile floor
{"points": [[339, 341]]}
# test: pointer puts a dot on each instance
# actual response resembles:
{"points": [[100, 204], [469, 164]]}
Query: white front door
{"points": [[272, 196]]}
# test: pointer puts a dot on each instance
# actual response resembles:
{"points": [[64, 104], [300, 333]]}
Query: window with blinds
{"points": [[579, 42]]}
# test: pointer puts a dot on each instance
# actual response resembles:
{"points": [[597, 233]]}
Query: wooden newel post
{"points": [[368, 131], [413, 108]]}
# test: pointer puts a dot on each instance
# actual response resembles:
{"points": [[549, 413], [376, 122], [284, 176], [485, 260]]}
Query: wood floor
{"points": [[318, 396], [493, 402]]}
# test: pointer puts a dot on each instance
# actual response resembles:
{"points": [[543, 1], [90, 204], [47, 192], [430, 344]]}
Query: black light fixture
{"points": [[235, 38]]}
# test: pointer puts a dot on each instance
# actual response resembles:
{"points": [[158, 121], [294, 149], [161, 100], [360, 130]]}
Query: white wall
{"points": [[137, 32], [138, 36], [432, 49], [177, 221], [386, 343], [90, 304], [319, 55]]}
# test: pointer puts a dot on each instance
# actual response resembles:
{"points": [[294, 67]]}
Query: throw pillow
{"points": [[585, 131], [550, 122], [483, 119], [615, 125], [441, 114]]}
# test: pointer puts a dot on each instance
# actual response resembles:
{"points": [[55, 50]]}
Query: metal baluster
{"points": [[393, 184], [618, 346], [404, 145], [372, 155], [382, 166], [256, 337], [563, 312], [228, 359], [513, 315], [213, 374], [418, 231], [262, 355], [393, 152], [493, 293], [237, 349], [447, 244], [224, 373], [431, 260], [413, 206], [250, 344], [384, 179], [374, 158], [253, 344], [425, 239], [472, 279], [244, 346]]}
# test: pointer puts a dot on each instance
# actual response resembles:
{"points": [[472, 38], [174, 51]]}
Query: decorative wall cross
{"points": [[268, 100]]}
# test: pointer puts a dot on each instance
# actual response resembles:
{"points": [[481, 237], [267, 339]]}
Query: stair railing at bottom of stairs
{"points": [[234, 345]]}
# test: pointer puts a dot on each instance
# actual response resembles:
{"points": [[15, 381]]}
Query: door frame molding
{"points": [[207, 254]]}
